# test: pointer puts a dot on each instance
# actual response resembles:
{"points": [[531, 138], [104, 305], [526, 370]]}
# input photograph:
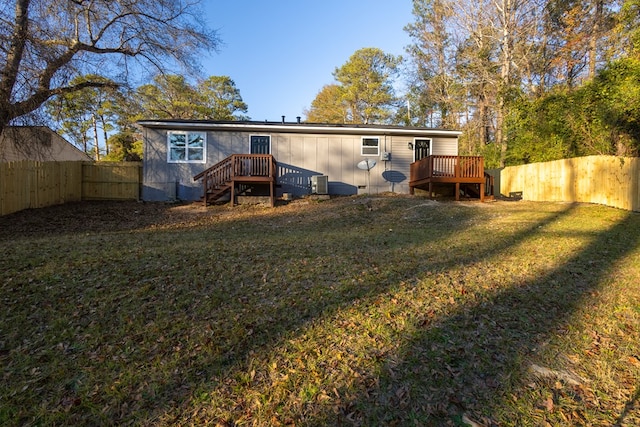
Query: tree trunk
{"points": [[507, 18], [104, 131], [95, 136], [597, 7]]}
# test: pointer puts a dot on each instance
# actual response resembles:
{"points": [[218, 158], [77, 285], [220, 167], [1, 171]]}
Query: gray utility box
{"points": [[320, 184]]}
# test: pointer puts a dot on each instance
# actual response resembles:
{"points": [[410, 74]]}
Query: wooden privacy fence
{"points": [[30, 184], [111, 181], [607, 180]]}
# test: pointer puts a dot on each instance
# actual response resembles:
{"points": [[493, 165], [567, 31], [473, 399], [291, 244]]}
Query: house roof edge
{"points": [[295, 127]]}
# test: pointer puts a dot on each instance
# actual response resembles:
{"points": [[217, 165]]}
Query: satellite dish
{"points": [[366, 165]]}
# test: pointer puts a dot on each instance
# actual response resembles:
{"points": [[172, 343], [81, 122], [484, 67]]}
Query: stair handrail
{"points": [[216, 175], [237, 165]]}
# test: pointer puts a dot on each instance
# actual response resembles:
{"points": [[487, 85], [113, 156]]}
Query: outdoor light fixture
{"points": [[410, 146]]}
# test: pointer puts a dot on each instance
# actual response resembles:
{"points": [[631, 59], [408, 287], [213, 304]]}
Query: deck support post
{"points": [[204, 197], [272, 193]]}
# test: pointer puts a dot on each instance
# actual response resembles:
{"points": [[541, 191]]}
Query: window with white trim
{"points": [[186, 147], [370, 146]]}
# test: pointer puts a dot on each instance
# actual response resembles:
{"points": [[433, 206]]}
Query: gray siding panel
{"points": [[299, 156], [444, 146]]}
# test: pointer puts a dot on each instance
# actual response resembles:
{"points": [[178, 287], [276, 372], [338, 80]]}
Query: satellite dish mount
{"points": [[367, 164]]}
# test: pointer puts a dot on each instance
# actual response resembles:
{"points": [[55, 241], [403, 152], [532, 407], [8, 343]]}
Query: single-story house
{"points": [[293, 158], [38, 143]]}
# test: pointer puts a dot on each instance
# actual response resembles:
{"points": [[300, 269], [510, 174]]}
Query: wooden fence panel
{"points": [[607, 180], [29, 184], [14, 197], [111, 181], [71, 182]]}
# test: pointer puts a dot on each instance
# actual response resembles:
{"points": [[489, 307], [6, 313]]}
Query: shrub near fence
{"points": [[30, 184], [607, 180]]}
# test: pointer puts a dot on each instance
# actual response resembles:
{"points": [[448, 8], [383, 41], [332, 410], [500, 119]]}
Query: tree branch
{"points": [[9, 74]]}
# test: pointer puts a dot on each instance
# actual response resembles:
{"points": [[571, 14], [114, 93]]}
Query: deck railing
{"points": [[448, 167]]}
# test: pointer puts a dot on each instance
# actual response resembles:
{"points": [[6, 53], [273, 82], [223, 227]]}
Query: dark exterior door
{"points": [[260, 144], [422, 148]]}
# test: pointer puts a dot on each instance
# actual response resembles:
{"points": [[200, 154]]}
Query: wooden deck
{"points": [[235, 170], [457, 170]]}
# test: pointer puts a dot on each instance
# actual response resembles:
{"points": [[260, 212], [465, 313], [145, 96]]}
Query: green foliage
{"points": [[601, 117], [629, 22], [328, 107], [619, 86], [173, 97], [221, 99], [538, 129], [124, 146], [491, 154], [364, 90], [168, 97], [109, 113], [434, 87]]}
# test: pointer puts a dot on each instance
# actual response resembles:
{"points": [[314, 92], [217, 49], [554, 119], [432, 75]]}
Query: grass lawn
{"points": [[376, 311]]}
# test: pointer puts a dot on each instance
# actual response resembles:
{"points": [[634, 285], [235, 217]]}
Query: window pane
{"points": [[196, 140], [195, 154], [177, 153], [177, 140], [370, 146]]}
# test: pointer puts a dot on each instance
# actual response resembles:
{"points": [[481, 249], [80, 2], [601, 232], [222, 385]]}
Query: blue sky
{"points": [[280, 53]]}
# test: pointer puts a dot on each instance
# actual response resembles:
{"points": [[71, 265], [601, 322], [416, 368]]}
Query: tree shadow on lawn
{"points": [[169, 334], [456, 341], [486, 349], [333, 261], [129, 326]]}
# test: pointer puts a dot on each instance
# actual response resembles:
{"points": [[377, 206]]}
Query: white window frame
{"points": [[369, 147], [186, 148]]}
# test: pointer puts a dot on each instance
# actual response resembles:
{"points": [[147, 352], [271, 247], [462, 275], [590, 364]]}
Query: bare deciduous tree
{"points": [[44, 44]]}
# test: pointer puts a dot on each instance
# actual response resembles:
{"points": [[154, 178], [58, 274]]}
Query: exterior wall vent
{"points": [[320, 184]]}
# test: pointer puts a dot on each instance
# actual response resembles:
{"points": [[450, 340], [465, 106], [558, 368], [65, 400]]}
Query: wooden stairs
{"points": [[473, 190], [224, 176]]}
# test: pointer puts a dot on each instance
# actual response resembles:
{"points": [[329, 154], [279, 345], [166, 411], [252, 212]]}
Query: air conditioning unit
{"points": [[320, 184]]}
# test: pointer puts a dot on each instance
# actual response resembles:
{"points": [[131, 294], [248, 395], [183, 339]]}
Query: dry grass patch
{"points": [[357, 311]]}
